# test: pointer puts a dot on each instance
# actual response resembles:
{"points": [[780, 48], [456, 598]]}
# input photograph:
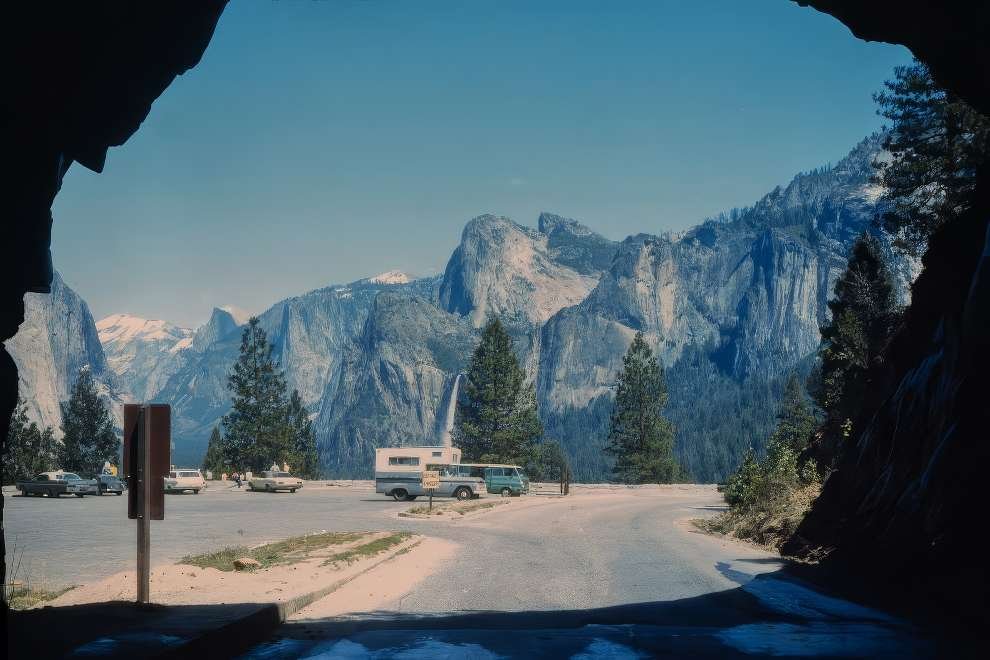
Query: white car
{"points": [[272, 481], [179, 481]]}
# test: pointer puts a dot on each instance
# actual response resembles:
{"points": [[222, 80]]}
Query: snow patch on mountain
{"points": [[239, 315], [391, 277]]}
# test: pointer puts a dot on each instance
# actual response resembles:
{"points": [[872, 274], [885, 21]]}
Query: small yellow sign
{"points": [[431, 479]]}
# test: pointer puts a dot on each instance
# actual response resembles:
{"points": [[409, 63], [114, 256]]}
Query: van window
{"points": [[171, 475], [403, 460], [437, 453], [189, 474]]}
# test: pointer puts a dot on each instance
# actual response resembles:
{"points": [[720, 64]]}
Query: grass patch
{"points": [[457, 507], [369, 549], [22, 598], [289, 551]]}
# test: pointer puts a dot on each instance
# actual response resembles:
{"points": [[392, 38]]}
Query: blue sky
{"points": [[321, 142]]}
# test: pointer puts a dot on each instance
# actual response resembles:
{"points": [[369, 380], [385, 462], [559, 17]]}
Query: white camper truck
{"points": [[399, 473]]}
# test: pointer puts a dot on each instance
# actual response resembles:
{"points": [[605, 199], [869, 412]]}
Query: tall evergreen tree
{"points": [[254, 430], [88, 435], [864, 315], [640, 438], [29, 449], [796, 421], [303, 456], [935, 145], [215, 460], [496, 418]]}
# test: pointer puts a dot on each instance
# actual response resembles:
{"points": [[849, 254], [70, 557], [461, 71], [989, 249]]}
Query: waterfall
{"points": [[448, 423]]}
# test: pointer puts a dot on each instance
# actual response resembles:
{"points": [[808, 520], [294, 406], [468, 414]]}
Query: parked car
{"points": [[108, 483], [272, 481], [55, 484], [179, 481], [506, 480], [461, 481]]}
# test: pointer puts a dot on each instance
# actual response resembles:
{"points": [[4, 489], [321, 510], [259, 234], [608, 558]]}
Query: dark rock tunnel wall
{"points": [[84, 78], [88, 73]]}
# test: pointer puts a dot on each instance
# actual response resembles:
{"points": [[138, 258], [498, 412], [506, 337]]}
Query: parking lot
{"points": [[71, 540]]}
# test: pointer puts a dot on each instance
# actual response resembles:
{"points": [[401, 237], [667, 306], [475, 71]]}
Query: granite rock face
{"points": [[746, 292], [143, 353], [395, 382], [56, 341], [521, 275], [732, 306]]}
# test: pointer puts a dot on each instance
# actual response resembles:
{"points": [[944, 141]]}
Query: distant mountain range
{"points": [[732, 306]]}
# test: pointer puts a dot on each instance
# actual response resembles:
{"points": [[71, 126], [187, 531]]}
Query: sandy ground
{"points": [[180, 584], [385, 586]]}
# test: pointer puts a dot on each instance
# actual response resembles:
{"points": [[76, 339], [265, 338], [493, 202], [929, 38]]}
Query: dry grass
{"points": [[767, 526], [22, 598], [369, 549], [455, 507], [289, 551]]}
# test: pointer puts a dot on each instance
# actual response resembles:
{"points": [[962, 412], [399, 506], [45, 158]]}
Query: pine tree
{"points": [[303, 459], [215, 460], [29, 450], [936, 144], [88, 435], [864, 316], [255, 432], [496, 418], [640, 438], [796, 422]]}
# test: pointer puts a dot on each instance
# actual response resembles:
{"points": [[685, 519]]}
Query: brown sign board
{"points": [[147, 428], [431, 479]]}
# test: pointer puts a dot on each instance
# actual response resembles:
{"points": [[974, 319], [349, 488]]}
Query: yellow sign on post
{"points": [[431, 479]]}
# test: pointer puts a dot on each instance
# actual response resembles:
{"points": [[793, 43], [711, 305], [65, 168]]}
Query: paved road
{"points": [[598, 574], [603, 575], [70, 540]]}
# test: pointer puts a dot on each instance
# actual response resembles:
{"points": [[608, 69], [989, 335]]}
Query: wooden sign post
{"points": [[147, 445], [431, 481]]}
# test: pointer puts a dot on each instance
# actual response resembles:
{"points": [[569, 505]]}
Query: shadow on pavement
{"points": [[771, 615], [125, 630]]}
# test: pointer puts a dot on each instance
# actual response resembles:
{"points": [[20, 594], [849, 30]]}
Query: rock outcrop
{"points": [[745, 294], [521, 275], [56, 341], [395, 381]]}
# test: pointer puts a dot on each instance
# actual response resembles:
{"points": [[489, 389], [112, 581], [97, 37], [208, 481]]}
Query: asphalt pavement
{"points": [[69, 540], [602, 573]]}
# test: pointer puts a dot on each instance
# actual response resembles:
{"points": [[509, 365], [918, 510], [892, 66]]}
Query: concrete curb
{"points": [[241, 635]]}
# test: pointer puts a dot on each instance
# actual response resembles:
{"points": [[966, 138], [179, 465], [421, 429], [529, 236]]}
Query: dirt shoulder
{"points": [[287, 570]]}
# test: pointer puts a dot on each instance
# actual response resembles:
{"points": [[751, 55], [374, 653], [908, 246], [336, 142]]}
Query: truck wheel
{"points": [[463, 493], [399, 495], [195, 491], [80, 495], [292, 490], [506, 492]]}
